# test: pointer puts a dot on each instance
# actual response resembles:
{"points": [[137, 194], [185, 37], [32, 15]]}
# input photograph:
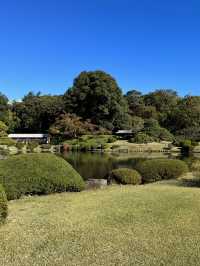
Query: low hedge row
{"points": [[38, 174], [3, 205], [161, 169], [125, 176]]}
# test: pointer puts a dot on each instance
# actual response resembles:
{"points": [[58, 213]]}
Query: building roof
{"points": [[32, 136], [124, 132]]}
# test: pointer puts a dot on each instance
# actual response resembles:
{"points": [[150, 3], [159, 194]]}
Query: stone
{"points": [[96, 183]]}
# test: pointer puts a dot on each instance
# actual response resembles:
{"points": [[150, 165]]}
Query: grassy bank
{"points": [[156, 224]]}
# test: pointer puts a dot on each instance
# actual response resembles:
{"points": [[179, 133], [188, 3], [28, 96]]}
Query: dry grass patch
{"points": [[156, 224]]}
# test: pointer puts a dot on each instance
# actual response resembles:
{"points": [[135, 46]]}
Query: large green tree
{"points": [[4, 108], [164, 101], [186, 115], [96, 95], [37, 113]]}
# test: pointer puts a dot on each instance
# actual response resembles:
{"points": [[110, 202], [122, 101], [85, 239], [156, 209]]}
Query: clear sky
{"points": [[144, 44]]}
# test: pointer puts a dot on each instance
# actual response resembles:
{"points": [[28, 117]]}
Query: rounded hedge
{"points": [[125, 176], [3, 205], [29, 174], [161, 169]]}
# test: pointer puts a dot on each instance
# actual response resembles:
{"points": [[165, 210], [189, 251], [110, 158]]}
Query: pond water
{"points": [[98, 165]]}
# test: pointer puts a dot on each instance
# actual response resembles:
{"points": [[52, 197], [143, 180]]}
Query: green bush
{"points": [[45, 146], [3, 205], [160, 169], [111, 139], [20, 145], [125, 176], [142, 138], [38, 174], [32, 145], [187, 146]]}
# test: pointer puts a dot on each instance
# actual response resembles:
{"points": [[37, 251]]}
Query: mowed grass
{"points": [[156, 224]]}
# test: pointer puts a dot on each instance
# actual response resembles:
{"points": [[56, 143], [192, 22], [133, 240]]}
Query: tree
{"points": [[96, 95], [72, 126], [135, 102], [153, 129], [137, 124], [164, 101], [186, 115], [4, 108], [137, 106], [37, 113]]}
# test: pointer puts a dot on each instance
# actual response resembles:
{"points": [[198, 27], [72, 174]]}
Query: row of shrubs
{"points": [[44, 174], [3, 205], [149, 171], [89, 142]]}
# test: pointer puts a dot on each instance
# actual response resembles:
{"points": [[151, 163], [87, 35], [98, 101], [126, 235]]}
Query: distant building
{"points": [[25, 138], [124, 133]]}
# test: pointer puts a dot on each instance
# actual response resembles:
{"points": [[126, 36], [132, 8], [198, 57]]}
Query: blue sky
{"points": [[144, 44]]}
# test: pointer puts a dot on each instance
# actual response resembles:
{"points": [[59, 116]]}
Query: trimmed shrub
{"points": [[38, 174], [45, 146], [142, 138], [125, 176], [195, 166], [3, 205], [160, 169], [20, 145], [32, 145]]}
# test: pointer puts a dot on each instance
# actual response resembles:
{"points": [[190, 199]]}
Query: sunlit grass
{"points": [[156, 224]]}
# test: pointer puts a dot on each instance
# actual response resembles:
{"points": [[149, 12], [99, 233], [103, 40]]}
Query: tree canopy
{"points": [[96, 95], [95, 103]]}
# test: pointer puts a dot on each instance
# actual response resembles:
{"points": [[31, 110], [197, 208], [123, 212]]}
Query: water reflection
{"points": [[98, 165]]}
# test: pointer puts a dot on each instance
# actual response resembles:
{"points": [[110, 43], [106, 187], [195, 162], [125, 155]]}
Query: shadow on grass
{"points": [[180, 183]]}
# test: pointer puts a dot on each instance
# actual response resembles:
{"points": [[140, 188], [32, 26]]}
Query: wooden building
{"points": [[26, 138]]}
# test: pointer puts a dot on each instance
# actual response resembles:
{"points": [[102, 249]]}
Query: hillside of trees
{"points": [[95, 104]]}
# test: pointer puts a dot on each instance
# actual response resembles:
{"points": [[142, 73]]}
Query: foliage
{"points": [[95, 102], [142, 138], [32, 145], [3, 129], [159, 169], [186, 116], [90, 142], [37, 113], [153, 129], [45, 146], [38, 174], [164, 101], [195, 166], [3, 205], [96, 95], [136, 124], [125, 176], [20, 145], [192, 133], [71, 126], [186, 146]]}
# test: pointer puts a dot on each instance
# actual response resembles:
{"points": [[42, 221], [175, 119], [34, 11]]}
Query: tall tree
{"points": [[4, 108], [37, 113], [96, 95]]}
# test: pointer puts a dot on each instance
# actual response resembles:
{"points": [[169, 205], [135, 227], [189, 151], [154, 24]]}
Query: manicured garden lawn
{"points": [[156, 224]]}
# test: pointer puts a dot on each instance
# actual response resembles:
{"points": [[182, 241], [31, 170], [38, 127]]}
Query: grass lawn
{"points": [[156, 224]]}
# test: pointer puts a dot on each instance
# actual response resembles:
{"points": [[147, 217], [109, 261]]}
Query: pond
{"points": [[98, 165]]}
